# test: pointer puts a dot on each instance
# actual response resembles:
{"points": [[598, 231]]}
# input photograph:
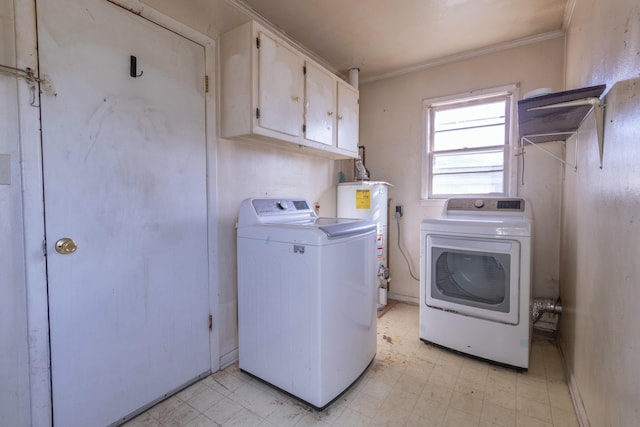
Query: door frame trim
{"points": [[33, 196], [37, 310]]}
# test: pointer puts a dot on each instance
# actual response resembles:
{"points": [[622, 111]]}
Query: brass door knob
{"points": [[66, 246]]}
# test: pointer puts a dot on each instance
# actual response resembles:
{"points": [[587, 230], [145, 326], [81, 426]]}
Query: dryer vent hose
{"points": [[539, 306]]}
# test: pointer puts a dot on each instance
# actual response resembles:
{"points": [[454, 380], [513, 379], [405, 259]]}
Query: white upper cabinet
{"points": [[348, 117], [319, 104], [262, 91], [272, 93], [279, 94]]}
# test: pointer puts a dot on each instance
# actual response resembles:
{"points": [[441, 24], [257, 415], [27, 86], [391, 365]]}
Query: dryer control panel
{"points": [[487, 205]]}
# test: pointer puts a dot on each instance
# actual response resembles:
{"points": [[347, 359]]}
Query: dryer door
{"points": [[474, 277]]}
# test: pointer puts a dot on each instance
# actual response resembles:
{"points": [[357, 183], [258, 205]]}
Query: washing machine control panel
{"points": [[280, 206], [490, 205]]}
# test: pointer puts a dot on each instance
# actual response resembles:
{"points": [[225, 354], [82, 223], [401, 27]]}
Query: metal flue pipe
{"points": [[539, 306]]}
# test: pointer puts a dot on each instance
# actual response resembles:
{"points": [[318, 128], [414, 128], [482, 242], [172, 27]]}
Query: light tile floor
{"points": [[409, 384]]}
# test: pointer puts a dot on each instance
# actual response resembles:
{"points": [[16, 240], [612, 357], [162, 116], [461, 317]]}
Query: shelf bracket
{"points": [[574, 165], [597, 106], [599, 116]]}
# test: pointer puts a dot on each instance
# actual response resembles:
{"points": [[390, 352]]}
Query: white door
{"points": [[125, 178], [319, 105], [279, 87]]}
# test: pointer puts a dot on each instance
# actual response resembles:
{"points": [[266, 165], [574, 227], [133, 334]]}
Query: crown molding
{"points": [[568, 14], [466, 55]]}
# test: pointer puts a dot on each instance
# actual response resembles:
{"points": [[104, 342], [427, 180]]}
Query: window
{"points": [[467, 145]]}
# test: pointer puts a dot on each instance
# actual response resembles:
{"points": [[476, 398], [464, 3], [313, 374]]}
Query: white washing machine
{"points": [[307, 300], [475, 279]]}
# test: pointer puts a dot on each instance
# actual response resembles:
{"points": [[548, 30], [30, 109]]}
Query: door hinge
{"points": [[304, 69], [44, 247], [257, 113], [206, 84], [304, 128], [210, 322], [258, 42]]}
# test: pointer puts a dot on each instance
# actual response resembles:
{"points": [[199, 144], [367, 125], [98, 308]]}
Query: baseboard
{"points": [[403, 298], [574, 391], [228, 359]]}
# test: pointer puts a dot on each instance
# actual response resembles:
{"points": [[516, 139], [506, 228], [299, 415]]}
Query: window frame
{"points": [[507, 92]]}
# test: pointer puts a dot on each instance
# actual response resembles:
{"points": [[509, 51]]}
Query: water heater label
{"points": [[363, 199]]}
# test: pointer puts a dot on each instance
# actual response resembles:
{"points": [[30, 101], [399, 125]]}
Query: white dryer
{"points": [[307, 301], [475, 279]]}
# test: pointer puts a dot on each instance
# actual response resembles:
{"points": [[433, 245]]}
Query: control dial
{"points": [[479, 204]]}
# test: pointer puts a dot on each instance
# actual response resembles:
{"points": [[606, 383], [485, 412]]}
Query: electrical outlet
{"points": [[399, 210]]}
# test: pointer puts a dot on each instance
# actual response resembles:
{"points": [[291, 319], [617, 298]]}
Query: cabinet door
{"points": [[279, 87], [348, 120], [319, 105]]}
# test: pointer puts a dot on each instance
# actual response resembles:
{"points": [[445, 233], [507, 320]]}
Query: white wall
{"points": [[391, 129], [600, 272], [14, 367]]}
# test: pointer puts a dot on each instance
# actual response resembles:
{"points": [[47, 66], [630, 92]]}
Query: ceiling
{"points": [[384, 37]]}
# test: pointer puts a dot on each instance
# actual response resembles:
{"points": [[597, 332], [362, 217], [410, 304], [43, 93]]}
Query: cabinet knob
{"points": [[329, 113], [339, 117]]}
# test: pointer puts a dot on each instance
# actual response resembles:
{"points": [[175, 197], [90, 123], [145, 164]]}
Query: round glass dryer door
{"points": [[476, 277], [479, 279]]}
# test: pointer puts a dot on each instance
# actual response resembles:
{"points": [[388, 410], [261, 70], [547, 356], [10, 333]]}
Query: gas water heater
{"points": [[369, 200]]}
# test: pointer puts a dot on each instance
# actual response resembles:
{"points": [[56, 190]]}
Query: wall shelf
{"points": [[557, 116]]}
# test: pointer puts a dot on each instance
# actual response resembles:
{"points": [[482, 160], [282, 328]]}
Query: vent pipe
{"points": [[539, 306], [353, 77]]}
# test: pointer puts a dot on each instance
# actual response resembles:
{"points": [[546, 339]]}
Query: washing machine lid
{"points": [[293, 220], [342, 227]]}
